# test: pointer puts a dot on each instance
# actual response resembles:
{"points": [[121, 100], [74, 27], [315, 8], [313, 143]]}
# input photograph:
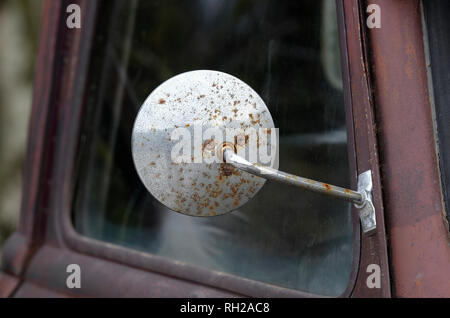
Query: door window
{"points": [[287, 51]]}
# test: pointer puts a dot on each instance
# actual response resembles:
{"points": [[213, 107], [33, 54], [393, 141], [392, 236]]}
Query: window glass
{"points": [[287, 51]]}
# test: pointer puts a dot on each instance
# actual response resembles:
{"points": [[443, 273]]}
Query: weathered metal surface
{"points": [[420, 251], [373, 249], [8, 284], [53, 83], [20, 246], [31, 290], [47, 271], [187, 106]]}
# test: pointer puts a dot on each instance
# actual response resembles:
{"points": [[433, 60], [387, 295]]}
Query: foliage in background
{"points": [[19, 29]]}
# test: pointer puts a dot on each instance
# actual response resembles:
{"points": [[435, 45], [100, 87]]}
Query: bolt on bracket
{"points": [[366, 209]]}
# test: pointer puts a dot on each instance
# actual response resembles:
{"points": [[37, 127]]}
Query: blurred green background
{"points": [[19, 30]]}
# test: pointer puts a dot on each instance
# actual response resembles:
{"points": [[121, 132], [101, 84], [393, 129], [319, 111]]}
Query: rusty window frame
{"points": [[46, 228], [419, 250]]}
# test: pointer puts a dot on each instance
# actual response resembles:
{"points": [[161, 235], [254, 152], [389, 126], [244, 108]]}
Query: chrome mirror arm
{"points": [[362, 199]]}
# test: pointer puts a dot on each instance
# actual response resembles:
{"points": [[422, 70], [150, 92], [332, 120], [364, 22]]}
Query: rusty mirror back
{"points": [[204, 143]]}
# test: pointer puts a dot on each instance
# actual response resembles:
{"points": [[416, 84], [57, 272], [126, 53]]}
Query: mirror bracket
{"points": [[362, 198], [366, 209]]}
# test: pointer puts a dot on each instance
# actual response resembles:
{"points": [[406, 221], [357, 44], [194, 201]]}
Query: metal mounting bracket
{"points": [[362, 198], [366, 209]]}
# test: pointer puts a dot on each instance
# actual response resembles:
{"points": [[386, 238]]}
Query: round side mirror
{"points": [[181, 131]]}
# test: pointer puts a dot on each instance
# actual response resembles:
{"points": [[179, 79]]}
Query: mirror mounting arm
{"points": [[362, 199]]}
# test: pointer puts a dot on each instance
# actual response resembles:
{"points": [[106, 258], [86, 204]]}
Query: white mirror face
{"points": [[177, 134]]}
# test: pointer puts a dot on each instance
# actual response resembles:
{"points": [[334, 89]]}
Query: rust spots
{"points": [[327, 186], [161, 101], [195, 197], [215, 192], [202, 203], [188, 125], [254, 120], [347, 191], [226, 170], [206, 175]]}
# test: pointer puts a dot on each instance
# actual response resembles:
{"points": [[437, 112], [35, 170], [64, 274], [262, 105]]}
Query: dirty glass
{"points": [[287, 51]]}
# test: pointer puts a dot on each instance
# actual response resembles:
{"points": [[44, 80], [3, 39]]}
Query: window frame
{"points": [[46, 239], [418, 239]]}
